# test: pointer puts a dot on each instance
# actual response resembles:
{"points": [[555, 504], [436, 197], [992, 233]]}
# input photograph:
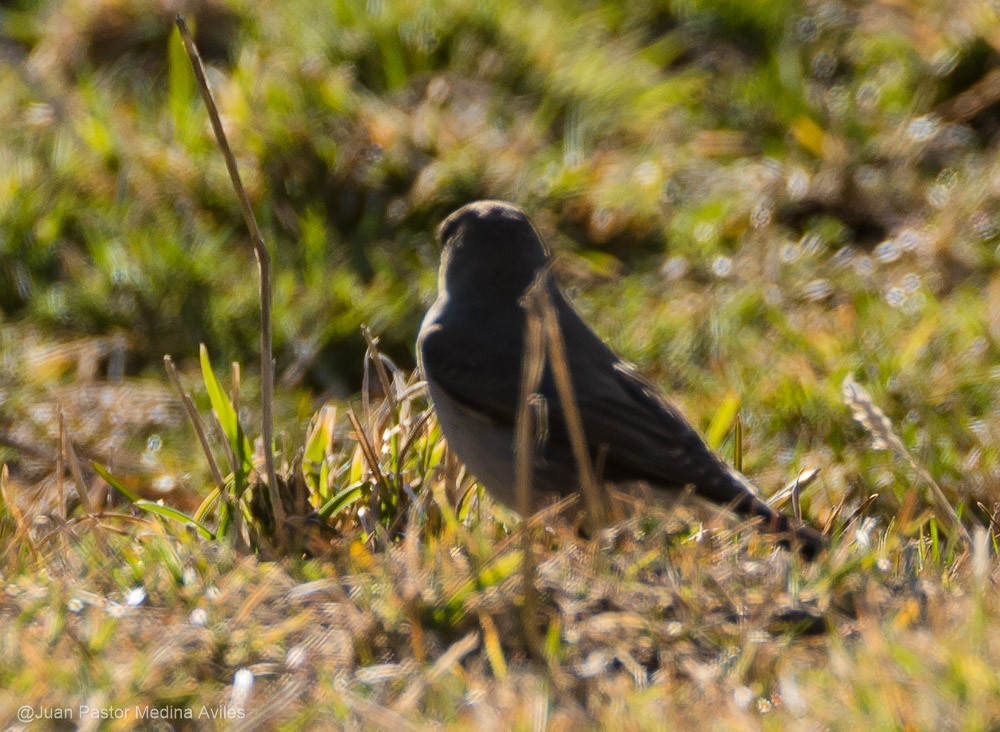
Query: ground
{"points": [[783, 213]]}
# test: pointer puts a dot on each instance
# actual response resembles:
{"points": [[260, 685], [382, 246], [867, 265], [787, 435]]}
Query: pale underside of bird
{"points": [[471, 347]]}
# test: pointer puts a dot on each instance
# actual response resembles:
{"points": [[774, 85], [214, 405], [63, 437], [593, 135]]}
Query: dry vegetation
{"points": [[784, 211]]}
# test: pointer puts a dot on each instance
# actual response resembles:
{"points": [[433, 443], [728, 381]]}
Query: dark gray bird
{"points": [[470, 349]]}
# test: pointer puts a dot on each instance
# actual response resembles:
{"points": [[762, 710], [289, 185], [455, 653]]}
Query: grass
{"points": [[657, 621], [757, 205]]}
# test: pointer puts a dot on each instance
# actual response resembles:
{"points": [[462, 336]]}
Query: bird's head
{"points": [[489, 247]]}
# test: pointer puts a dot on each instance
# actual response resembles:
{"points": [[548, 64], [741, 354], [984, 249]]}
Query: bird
{"points": [[470, 350]]}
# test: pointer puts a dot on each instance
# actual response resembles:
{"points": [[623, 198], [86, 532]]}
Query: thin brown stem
{"points": [[196, 424], [74, 465], [264, 272], [371, 456], [870, 416], [532, 368], [213, 466], [376, 358], [61, 468], [235, 396], [738, 444], [556, 350]]}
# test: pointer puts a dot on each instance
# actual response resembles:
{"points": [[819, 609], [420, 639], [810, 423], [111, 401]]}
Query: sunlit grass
{"points": [[752, 202]]}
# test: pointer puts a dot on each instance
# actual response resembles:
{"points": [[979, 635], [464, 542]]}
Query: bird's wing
{"points": [[486, 386], [642, 435]]}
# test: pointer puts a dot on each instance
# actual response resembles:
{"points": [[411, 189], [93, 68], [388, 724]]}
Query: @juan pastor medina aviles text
{"points": [[138, 712]]}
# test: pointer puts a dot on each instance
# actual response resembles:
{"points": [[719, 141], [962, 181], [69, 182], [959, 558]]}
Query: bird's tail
{"points": [[797, 535]]}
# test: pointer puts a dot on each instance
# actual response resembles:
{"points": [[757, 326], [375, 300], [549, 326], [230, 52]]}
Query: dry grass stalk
{"points": [[879, 426], [22, 526], [803, 480], [74, 465], [236, 378], [971, 102], [446, 661], [61, 471], [368, 450], [556, 351], [264, 272], [738, 444], [532, 368], [796, 503], [199, 430], [197, 425], [372, 355]]}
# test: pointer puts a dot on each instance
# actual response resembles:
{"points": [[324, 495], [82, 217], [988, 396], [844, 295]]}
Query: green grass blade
{"points": [[181, 85], [723, 420], [342, 500], [206, 505], [228, 419], [174, 515], [320, 437], [114, 482]]}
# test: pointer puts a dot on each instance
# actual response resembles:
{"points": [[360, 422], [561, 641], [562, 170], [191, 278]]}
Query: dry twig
{"points": [[556, 351], [264, 272], [879, 426], [532, 368]]}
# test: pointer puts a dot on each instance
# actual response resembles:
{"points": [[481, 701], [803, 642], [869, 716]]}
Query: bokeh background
{"points": [[749, 200]]}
